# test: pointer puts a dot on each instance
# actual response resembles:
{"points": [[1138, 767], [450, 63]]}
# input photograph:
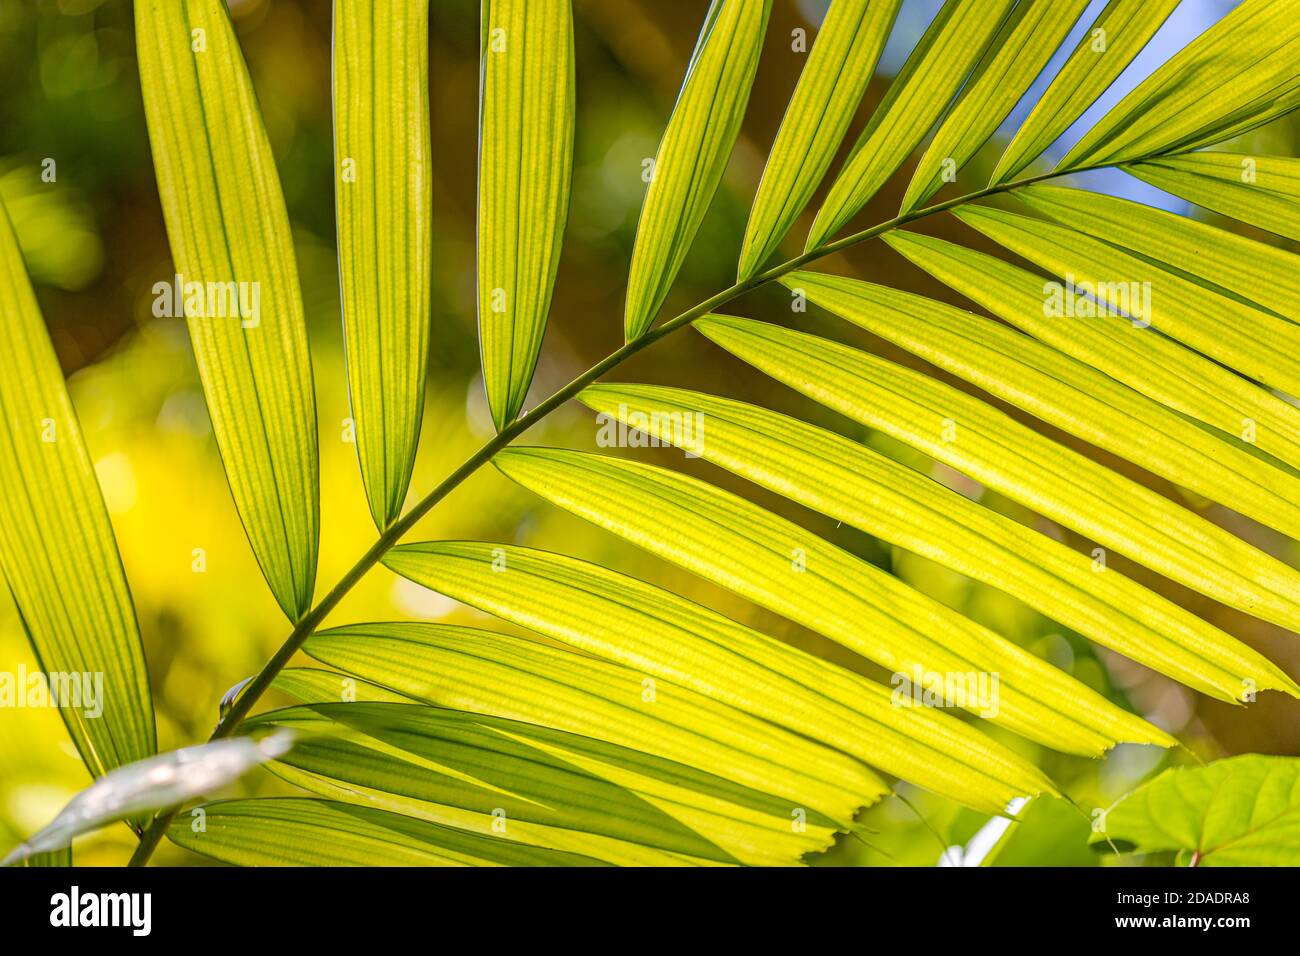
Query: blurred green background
{"points": [[95, 244]]}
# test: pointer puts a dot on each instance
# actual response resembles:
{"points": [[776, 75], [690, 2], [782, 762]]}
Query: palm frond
{"points": [[57, 548], [383, 194], [231, 244]]}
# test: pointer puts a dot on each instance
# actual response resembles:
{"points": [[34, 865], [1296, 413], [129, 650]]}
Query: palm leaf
{"points": [[1262, 275], [667, 637], [1153, 365], [840, 66], [1027, 41], [227, 224], [853, 483], [1066, 393], [1119, 34], [383, 195], [544, 787], [298, 831], [783, 567], [934, 73], [491, 674], [525, 170], [1053, 480], [1186, 104], [1254, 342], [57, 550], [1261, 190], [694, 151]]}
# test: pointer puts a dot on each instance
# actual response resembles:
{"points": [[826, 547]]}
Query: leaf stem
{"points": [[308, 623]]}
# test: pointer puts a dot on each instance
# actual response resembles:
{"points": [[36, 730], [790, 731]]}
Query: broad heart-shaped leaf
{"points": [[156, 782], [57, 550], [1240, 73], [932, 76], [237, 280], [668, 637], [782, 566], [1240, 811], [841, 64], [1026, 42], [856, 484], [1121, 31], [383, 192], [299, 831], [694, 151], [1261, 190], [525, 171], [481, 672], [1067, 393], [1251, 341], [1154, 365], [973, 437], [1256, 272], [543, 786]]}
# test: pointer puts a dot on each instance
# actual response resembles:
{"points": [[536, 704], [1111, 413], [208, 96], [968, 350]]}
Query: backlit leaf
{"points": [[858, 485], [1027, 41], [1240, 811], [275, 831], [1119, 34], [57, 550], [841, 64], [654, 631], [932, 76], [1156, 366], [973, 437], [525, 170], [1261, 190], [779, 565], [694, 151], [1240, 73], [230, 235], [383, 192]]}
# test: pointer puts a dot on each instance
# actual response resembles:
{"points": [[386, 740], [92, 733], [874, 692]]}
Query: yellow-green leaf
{"points": [[855, 484], [1119, 34], [493, 674], [1026, 42], [841, 64], [1215, 258], [1154, 365], [977, 439], [781, 566], [383, 191], [1261, 190], [694, 151], [1249, 340], [298, 831], [668, 637], [525, 171], [1240, 73], [543, 786], [932, 76], [1239, 811], [57, 550], [1067, 393], [229, 235]]}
